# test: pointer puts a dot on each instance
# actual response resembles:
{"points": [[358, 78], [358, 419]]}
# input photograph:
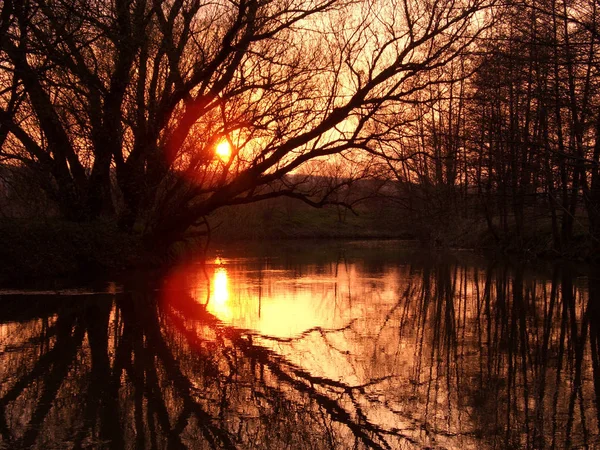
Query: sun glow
{"points": [[223, 151]]}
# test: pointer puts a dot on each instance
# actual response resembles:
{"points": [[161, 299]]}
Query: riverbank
{"points": [[45, 249]]}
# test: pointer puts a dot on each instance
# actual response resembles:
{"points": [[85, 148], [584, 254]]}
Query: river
{"points": [[307, 345]]}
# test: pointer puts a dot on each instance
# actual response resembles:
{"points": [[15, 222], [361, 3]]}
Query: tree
{"points": [[149, 88]]}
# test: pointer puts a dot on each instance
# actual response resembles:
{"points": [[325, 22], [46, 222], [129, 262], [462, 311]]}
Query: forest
{"points": [[154, 115]]}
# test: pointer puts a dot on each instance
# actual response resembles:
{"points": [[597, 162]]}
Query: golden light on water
{"points": [[294, 316], [278, 306], [223, 151], [219, 298]]}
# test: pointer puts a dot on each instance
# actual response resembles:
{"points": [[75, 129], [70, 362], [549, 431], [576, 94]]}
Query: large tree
{"points": [[151, 87]]}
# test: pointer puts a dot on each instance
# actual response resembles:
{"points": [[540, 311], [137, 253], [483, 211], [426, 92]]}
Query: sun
{"points": [[223, 151]]}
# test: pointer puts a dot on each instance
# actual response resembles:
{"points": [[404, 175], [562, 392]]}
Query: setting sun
{"points": [[223, 150]]}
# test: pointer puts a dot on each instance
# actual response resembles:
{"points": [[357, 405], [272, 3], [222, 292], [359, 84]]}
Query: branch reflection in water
{"points": [[346, 352]]}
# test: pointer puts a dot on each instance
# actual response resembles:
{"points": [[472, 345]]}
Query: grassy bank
{"points": [[289, 219]]}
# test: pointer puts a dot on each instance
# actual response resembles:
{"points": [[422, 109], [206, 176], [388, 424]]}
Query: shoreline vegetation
{"points": [[47, 248]]}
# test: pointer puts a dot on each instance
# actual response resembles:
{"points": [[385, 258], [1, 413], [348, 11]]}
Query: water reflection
{"points": [[368, 350]]}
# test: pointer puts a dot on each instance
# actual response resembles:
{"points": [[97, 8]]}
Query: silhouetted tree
{"points": [[150, 88]]}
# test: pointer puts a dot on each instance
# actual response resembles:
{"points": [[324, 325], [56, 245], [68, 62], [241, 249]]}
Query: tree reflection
{"points": [[465, 358]]}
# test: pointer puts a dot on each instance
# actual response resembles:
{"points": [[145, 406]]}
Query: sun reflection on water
{"points": [[274, 303], [218, 303]]}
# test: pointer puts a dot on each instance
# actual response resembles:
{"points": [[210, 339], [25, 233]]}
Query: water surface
{"points": [[307, 346]]}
